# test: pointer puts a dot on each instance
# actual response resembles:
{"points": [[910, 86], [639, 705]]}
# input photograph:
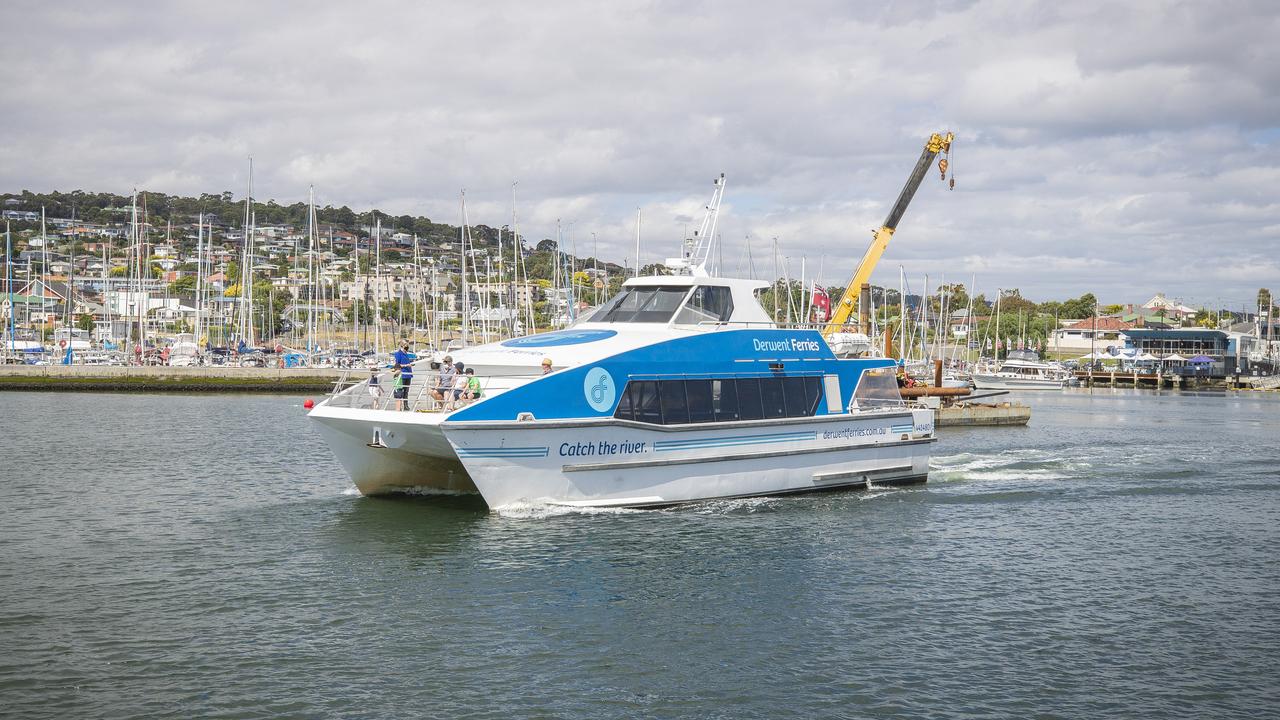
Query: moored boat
{"points": [[1023, 370]]}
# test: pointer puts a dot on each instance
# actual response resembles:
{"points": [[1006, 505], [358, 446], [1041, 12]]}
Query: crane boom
{"points": [[844, 309]]}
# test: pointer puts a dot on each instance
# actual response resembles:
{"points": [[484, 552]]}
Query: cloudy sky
{"points": [[1117, 148]]}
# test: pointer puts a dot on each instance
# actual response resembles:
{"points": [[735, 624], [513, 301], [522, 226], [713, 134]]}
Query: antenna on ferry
{"points": [[695, 251]]}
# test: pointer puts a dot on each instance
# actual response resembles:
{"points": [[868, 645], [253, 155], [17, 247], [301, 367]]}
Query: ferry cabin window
{"points": [[641, 304], [772, 397], [644, 399], [749, 399], [706, 304], [724, 400], [674, 409], [701, 402], [677, 402]]}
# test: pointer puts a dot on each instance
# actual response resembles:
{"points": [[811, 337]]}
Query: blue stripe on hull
{"points": [[502, 452]]}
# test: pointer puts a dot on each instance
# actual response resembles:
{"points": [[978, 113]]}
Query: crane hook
{"points": [[942, 168]]}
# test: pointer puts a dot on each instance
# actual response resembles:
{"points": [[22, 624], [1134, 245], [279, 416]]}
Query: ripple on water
{"points": [[183, 557]]}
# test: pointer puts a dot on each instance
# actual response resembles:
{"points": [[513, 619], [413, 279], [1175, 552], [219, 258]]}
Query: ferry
{"points": [[678, 389]]}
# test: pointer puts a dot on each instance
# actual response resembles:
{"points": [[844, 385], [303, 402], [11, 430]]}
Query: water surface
{"points": [[165, 556]]}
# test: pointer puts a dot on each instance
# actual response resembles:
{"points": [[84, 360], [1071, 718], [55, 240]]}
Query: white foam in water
{"points": [[1013, 464], [539, 511], [433, 492], [353, 491], [735, 505]]}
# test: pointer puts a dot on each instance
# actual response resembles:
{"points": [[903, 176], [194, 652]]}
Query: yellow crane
{"points": [[840, 316]]}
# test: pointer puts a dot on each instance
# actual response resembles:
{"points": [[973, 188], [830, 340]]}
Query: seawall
{"points": [[111, 378]]}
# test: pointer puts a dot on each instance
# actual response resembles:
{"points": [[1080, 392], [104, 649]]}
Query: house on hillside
{"points": [[959, 322], [1087, 335], [1162, 307]]}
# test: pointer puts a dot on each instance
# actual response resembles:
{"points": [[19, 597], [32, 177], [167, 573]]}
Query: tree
{"points": [[1264, 300], [183, 286], [1011, 301], [85, 322], [1081, 307], [957, 297]]}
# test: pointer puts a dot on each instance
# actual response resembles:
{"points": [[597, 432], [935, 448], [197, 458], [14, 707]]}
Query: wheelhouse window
{"points": [[641, 304], [707, 304], [679, 402], [877, 388]]}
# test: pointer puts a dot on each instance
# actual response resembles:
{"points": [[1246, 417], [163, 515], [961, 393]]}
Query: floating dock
{"points": [[984, 414]]}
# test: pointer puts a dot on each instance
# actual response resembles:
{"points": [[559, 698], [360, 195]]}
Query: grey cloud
{"points": [[1102, 147]]}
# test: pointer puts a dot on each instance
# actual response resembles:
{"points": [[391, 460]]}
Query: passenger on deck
{"points": [[546, 366], [473, 386], [459, 382], [400, 391], [375, 387], [444, 382], [404, 359]]}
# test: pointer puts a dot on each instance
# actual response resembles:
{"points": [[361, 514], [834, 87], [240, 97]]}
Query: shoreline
{"points": [[163, 379]]}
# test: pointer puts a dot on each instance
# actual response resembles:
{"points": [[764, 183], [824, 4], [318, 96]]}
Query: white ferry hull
{"points": [[412, 454], [997, 382], [568, 463], [631, 465]]}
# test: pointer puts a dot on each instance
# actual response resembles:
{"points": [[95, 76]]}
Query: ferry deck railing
{"points": [[354, 393]]}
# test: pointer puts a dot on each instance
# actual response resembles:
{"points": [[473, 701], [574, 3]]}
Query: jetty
{"points": [[141, 378], [1173, 381]]}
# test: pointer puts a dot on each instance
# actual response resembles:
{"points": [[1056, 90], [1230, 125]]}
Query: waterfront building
{"points": [[1089, 334], [1228, 353]]}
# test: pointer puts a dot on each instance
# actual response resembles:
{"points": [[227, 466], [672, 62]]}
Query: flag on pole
{"points": [[820, 306]]}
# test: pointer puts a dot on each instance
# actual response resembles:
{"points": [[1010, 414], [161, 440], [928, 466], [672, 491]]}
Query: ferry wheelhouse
{"points": [[678, 389]]}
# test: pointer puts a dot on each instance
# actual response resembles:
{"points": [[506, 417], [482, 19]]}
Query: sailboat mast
{"points": [[902, 314], [8, 285], [462, 246], [311, 269], [377, 286], [199, 276], [245, 320]]}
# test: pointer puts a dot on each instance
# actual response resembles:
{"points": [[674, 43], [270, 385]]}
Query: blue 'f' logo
{"points": [[599, 389]]}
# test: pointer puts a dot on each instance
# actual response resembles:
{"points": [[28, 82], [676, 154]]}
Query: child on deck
{"points": [[473, 386], [375, 388]]}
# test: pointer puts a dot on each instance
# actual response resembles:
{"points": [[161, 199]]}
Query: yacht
{"points": [[184, 352], [1023, 370], [678, 389]]}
